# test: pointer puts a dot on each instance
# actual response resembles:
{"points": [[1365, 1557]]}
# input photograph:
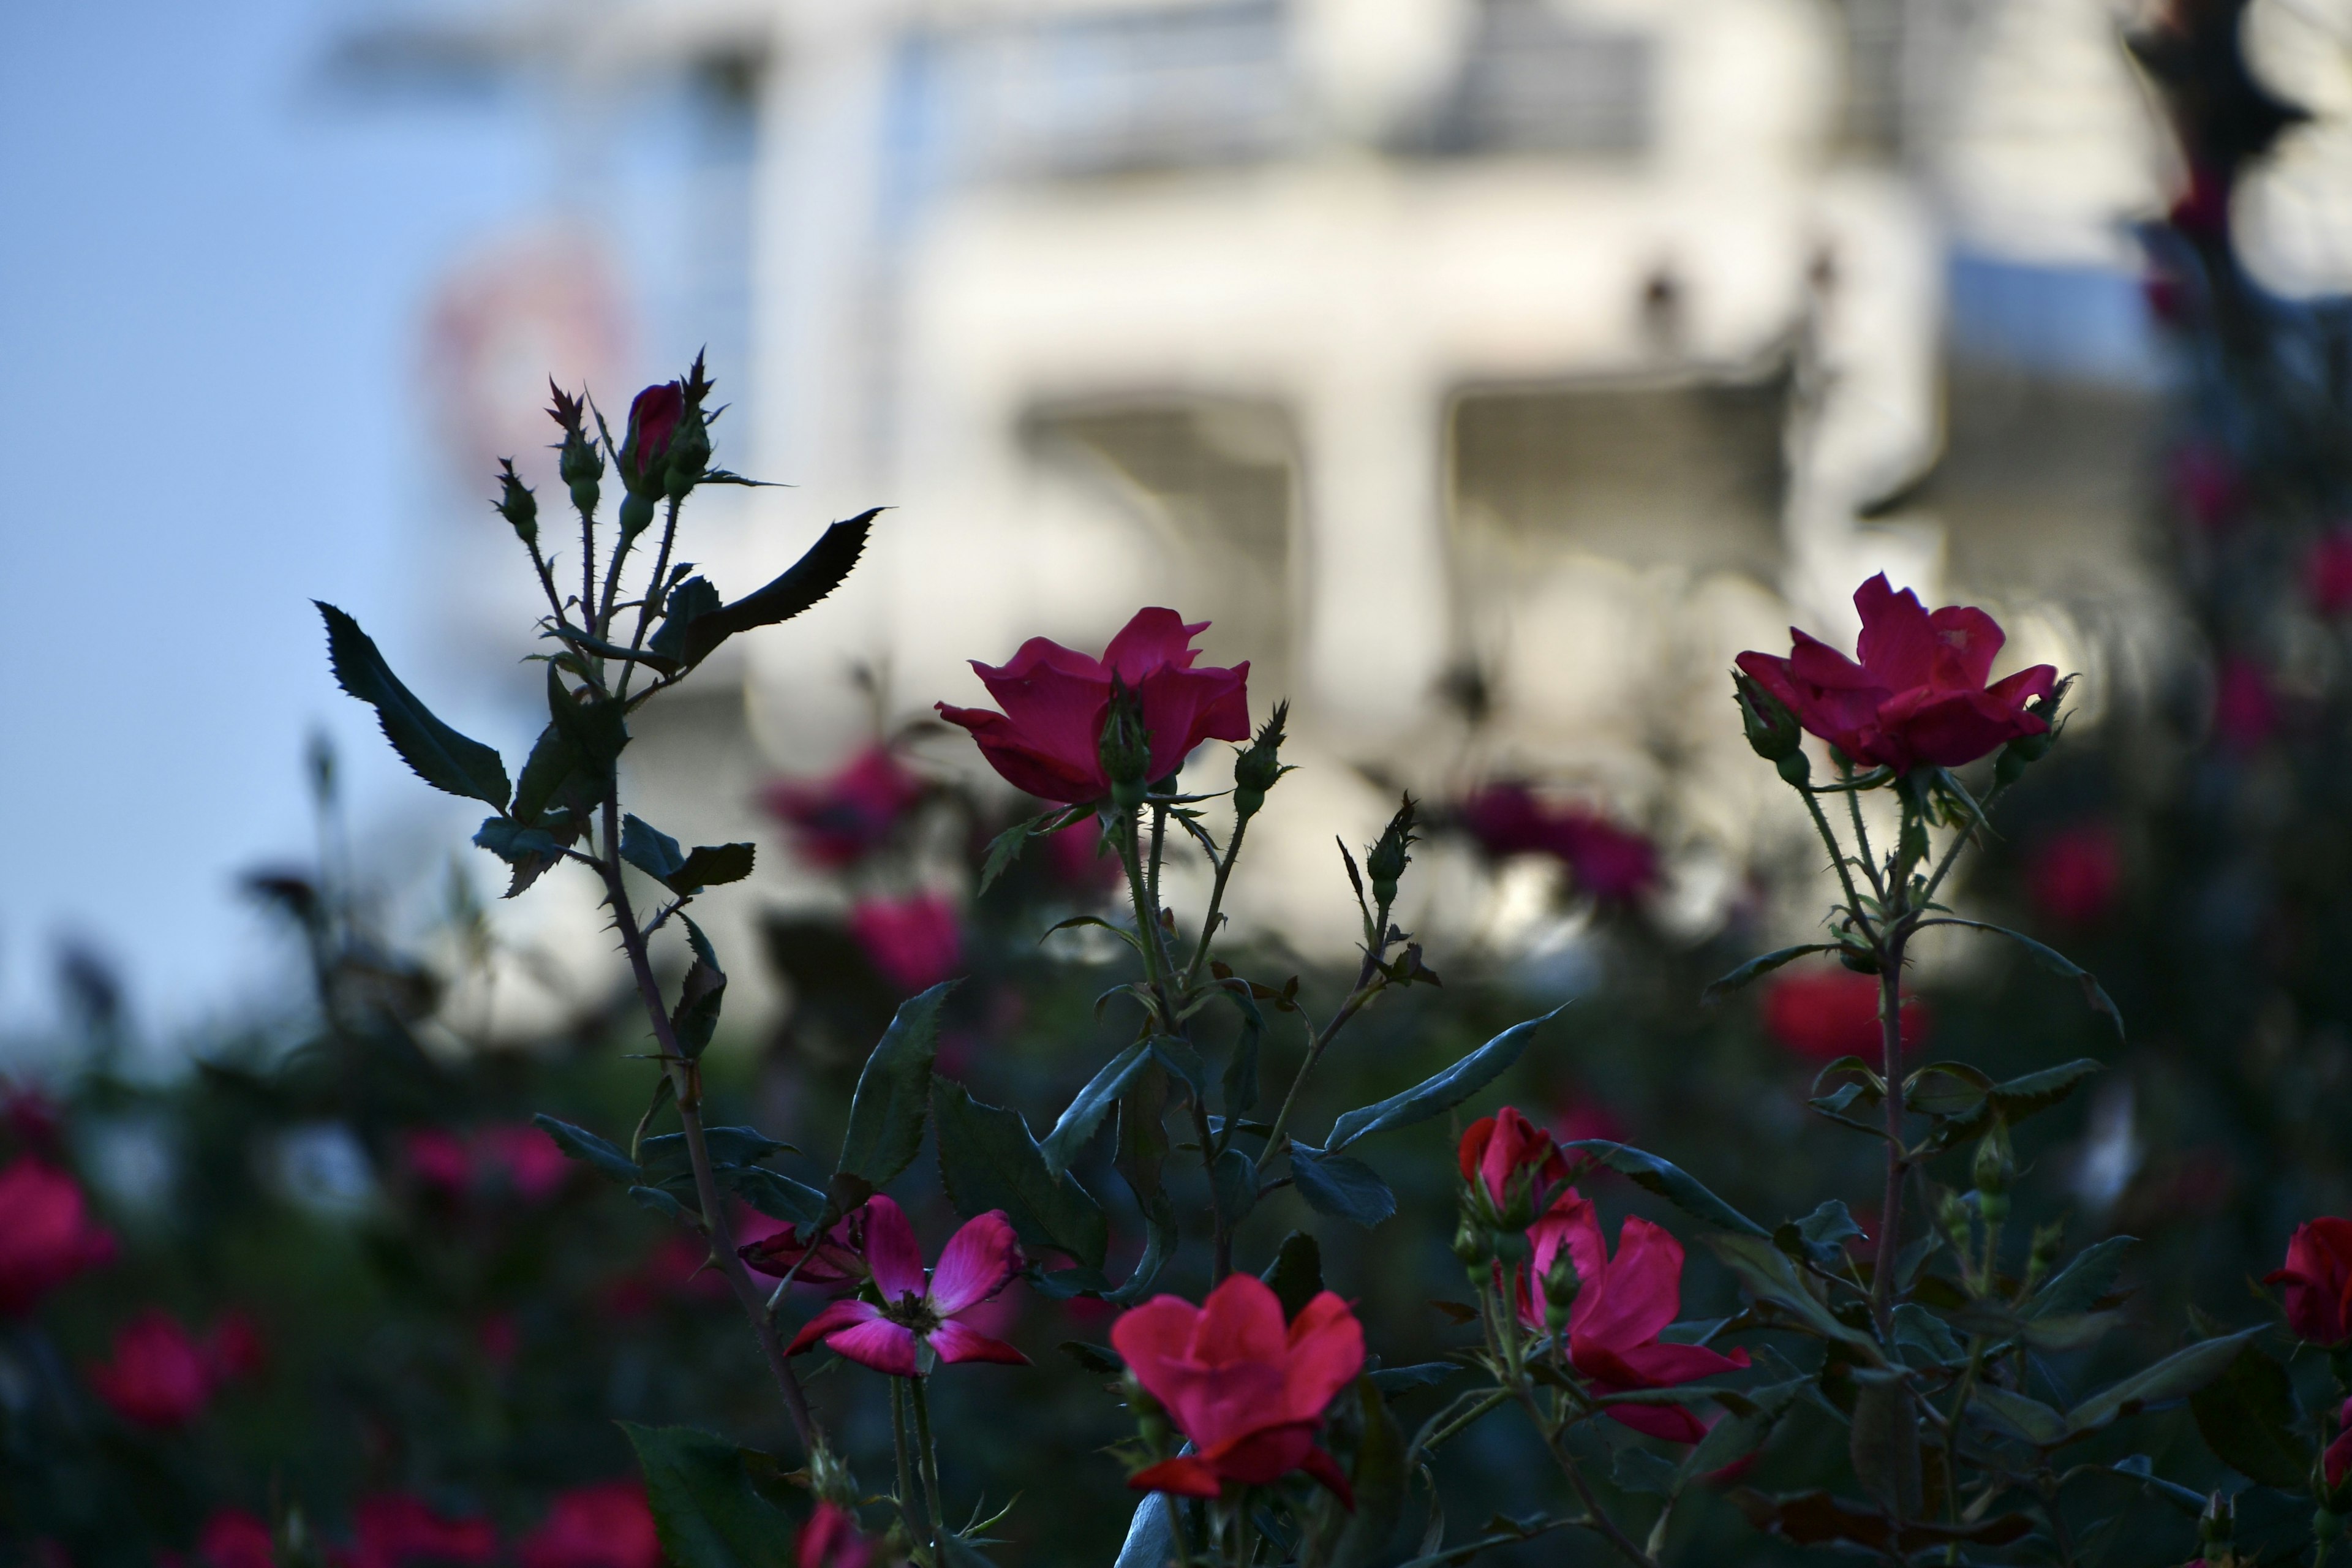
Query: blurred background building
{"points": [[1487, 372]]}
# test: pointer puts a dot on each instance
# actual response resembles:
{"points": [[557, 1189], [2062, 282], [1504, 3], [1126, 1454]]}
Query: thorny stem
{"points": [[1159, 847], [653, 593], [1595, 1518], [906, 1467], [1952, 854], [1486, 1406], [1368, 985], [686, 1079], [927, 1456], [1890, 1222], [1862, 838], [1217, 902], [588, 574], [1838, 859]]}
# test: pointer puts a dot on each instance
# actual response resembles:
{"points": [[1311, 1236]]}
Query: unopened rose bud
{"points": [[1150, 1415], [1995, 1165], [1510, 1245], [1773, 731], [1124, 748], [516, 503], [1256, 768], [578, 462], [1388, 857], [830, 1476], [690, 455], [1561, 1286], [637, 514], [654, 416], [1471, 1244], [2326, 1524], [2027, 750]]}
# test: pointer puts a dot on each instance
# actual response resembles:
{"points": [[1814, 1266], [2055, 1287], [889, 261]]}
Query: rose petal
{"points": [[978, 1260], [837, 1316], [961, 1341], [891, 1252]]}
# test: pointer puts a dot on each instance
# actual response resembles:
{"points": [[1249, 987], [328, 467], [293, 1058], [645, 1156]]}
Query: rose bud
{"points": [[654, 415], [2028, 750], [1385, 865], [577, 462], [1560, 1285], [1773, 731], [2318, 1279], [516, 503], [1257, 769], [1124, 748]]}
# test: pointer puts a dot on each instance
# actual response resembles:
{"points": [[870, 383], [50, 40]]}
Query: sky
{"points": [[212, 274]]}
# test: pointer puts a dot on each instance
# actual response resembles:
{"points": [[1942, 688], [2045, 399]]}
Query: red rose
{"points": [[2338, 1457], [914, 941], [1821, 1014], [607, 1525], [160, 1377], [1249, 1390], [2327, 572], [391, 1530], [653, 420], [1506, 1150], [831, 1539], [841, 819], [1918, 697], [1622, 1306], [1048, 739], [233, 1538], [46, 1237], [2074, 875], [2318, 1281]]}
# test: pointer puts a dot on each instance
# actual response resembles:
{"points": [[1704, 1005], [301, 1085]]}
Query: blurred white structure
{"points": [[1489, 372]]}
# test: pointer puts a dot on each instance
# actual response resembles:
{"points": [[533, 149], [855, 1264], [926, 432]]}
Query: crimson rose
{"points": [[1918, 697], [1048, 739]]}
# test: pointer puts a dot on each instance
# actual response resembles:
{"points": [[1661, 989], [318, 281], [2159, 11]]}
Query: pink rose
{"points": [[1047, 741], [45, 1235], [158, 1377], [1820, 1015], [606, 1525], [2074, 875], [1919, 697], [914, 941], [2327, 572], [919, 1311], [839, 820]]}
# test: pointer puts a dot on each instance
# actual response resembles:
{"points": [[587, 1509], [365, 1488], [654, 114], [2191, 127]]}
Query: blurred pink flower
{"points": [[606, 1525], [233, 1538], [914, 941], [2073, 874], [159, 1378], [46, 1236], [2327, 572], [1820, 1015], [436, 1158], [2245, 711], [234, 1349], [2206, 483], [840, 819], [517, 1156], [392, 1529], [1612, 863], [1075, 858], [830, 1539]]}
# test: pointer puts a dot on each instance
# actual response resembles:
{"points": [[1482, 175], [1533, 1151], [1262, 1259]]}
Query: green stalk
{"points": [[928, 1457]]}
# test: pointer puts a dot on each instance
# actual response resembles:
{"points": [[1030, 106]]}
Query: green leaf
{"points": [[1340, 1186], [2020, 1097], [700, 996], [1771, 1277], [1006, 847], [777, 1196], [602, 649], [552, 764], [1240, 1085], [689, 602], [712, 866], [1160, 1236], [810, 579], [1381, 1481], [1755, 968], [1233, 1186], [662, 1203], [513, 843], [1395, 1379], [989, 1161], [1917, 1329], [2248, 1418], [706, 1509], [1297, 1273], [1819, 1236], [1946, 1089], [2088, 1278], [1090, 1105], [649, 849], [1883, 1442], [592, 724], [581, 1144], [2051, 959], [434, 751], [893, 1093], [1743, 1429], [1440, 1092], [2177, 1376], [2027, 1419], [726, 1145], [1639, 1470], [1671, 1183], [2191, 1504]]}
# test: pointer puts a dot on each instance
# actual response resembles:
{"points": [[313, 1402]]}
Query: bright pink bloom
{"points": [[1821, 1014], [979, 1260], [1047, 740], [839, 1254], [1918, 697], [233, 1538], [831, 1539], [2245, 711], [839, 820], [393, 1529], [1248, 1391], [1622, 1305], [2327, 572], [159, 1376], [606, 1525], [2318, 1280], [654, 415], [2074, 875], [1507, 1149], [46, 1236], [2338, 1457], [914, 941]]}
